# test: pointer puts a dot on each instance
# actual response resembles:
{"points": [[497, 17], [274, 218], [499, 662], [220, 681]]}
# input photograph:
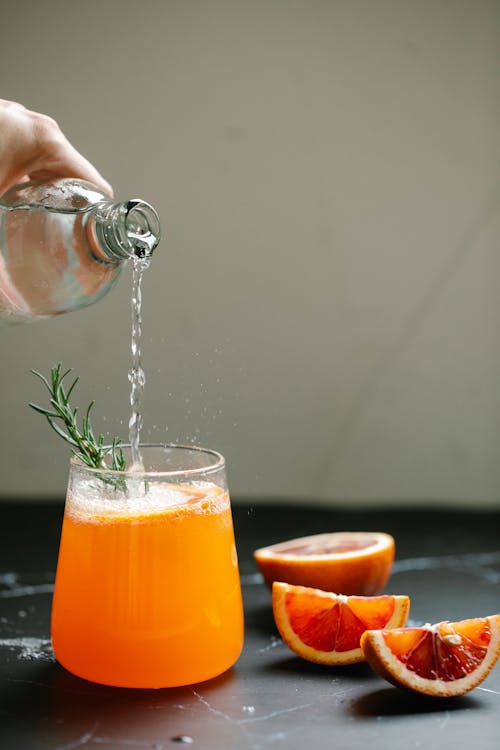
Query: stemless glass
{"points": [[147, 589]]}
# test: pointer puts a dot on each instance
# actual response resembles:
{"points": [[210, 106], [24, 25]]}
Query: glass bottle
{"points": [[63, 244]]}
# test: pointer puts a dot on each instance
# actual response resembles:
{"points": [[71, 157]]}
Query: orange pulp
{"points": [[149, 599]]}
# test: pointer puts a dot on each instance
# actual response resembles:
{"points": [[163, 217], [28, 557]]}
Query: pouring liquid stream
{"points": [[136, 374]]}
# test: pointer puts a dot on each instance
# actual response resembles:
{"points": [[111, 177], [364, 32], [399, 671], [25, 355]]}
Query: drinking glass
{"points": [[147, 590]]}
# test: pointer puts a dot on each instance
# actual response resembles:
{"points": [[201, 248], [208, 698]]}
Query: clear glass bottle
{"points": [[63, 243]]}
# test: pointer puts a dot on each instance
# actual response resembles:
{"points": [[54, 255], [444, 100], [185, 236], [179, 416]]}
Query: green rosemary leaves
{"points": [[85, 445]]}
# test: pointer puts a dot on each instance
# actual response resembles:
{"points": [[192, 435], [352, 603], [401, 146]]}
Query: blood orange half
{"points": [[446, 659], [326, 628], [346, 562]]}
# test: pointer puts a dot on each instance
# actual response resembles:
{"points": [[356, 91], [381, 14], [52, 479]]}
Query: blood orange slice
{"points": [[326, 628], [346, 562], [446, 659]]}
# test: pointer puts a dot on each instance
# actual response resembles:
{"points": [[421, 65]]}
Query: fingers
{"points": [[57, 157], [33, 144], [64, 161]]}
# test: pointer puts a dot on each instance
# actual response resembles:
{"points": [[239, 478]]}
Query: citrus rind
{"points": [[388, 665], [345, 562], [296, 644]]}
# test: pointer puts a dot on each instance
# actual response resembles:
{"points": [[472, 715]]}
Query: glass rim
{"points": [[219, 464]]}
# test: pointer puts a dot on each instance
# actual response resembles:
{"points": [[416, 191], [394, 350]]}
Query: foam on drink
{"points": [[92, 504]]}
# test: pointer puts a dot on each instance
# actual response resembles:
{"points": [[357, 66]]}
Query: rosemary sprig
{"points": [[85, 445]]}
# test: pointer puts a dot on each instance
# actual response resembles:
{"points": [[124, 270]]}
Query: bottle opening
{"points": [[142, 227], [126, 230]]}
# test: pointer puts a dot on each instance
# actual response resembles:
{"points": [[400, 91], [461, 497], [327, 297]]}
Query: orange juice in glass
{"points": [[147, 590]]}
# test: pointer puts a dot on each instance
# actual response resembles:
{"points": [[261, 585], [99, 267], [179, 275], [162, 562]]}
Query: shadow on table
{"points": [[261, 619], [294, 665], [394, 702], [68, 711]]}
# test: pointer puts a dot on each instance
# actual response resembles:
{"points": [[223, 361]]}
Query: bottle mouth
{"points": [[129, 229], [142, 227]]}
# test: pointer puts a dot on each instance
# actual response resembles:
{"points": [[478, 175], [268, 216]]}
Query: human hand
{"points": [[32, 147]]}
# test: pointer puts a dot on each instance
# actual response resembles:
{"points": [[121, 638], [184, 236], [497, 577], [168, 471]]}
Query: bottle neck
{"points": [[126, 230]]}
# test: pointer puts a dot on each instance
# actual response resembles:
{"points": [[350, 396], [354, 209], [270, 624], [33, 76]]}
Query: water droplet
{"points": [[249, 709], [183, 739]]}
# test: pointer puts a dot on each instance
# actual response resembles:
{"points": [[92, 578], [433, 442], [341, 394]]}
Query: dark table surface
{"points": [[447, 561]]}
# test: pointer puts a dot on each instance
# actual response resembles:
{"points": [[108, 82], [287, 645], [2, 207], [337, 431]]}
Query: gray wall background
{"points": [[324, 307]]}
